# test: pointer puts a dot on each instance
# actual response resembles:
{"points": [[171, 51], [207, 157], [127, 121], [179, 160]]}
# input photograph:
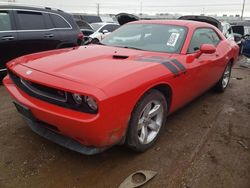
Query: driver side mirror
{"points": [[207, 49], [105, 31]]}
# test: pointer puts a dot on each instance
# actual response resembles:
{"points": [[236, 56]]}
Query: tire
{"points": [[95, 41], [225, 78], [144, 129]]}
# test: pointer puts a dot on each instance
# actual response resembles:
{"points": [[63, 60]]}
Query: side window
{"points": [[203, 36], [114, 27], [106, 27], [30, 20], [215, 38], [59, 22], [109, 28], [5, 23]]}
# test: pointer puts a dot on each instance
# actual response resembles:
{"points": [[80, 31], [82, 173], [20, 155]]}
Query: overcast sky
{"points": [[218, 7]]}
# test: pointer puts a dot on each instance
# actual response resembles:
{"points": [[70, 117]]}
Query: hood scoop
{"points": [[120, 57]]}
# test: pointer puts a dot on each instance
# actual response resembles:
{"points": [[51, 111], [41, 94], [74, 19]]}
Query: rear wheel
{"points": [[147, 120], [224, 81]]}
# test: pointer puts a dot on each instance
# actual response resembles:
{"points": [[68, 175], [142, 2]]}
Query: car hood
{"points": [[94, 65]]}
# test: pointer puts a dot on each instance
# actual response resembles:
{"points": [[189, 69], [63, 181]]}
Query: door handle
{"points": [[8, 38], [49, 35]]}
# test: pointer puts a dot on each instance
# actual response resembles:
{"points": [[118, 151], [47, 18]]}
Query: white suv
{"points": [[101, 30], [227, 30]]}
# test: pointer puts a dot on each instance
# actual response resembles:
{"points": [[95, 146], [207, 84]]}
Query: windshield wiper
{"points": [[130, 47]]}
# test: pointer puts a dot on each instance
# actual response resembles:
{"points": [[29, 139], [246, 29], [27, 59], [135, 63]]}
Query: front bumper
{"points": [[40, 129], [91, 131]]}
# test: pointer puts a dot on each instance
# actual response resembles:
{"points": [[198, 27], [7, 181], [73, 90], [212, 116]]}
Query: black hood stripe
{"points": [[178, 64], [173, 65], [170, 67]]}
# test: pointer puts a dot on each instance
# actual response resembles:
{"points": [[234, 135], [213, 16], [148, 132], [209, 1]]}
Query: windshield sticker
{"points": [[173, 39]]}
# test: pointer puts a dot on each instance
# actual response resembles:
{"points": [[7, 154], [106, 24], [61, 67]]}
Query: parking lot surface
{"points": [[205, 144]]}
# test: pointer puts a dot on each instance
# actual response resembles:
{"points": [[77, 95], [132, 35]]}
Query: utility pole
{"points": [[98, 9], [242, 12], [141, 8]]}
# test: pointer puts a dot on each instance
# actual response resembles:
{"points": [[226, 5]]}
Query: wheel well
{"points": [[231, 60], [96, 39], [166, 91]]}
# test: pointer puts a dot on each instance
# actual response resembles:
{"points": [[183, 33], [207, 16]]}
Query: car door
{"points": [[33, 32], [206, 68], [53, 34], [8, 38], [63, 34]]}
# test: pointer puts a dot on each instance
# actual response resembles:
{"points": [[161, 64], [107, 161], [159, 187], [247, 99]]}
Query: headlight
{"points": [[83, 103], [91, 103], [77, 98]]}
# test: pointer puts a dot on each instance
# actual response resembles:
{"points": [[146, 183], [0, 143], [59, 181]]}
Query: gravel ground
{"points": [[205, 144]]}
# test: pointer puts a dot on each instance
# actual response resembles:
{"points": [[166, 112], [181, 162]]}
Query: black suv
{"points": [[25, 30]]}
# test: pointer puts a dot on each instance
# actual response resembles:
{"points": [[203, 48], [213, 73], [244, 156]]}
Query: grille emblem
{"points": [[29, 72]]}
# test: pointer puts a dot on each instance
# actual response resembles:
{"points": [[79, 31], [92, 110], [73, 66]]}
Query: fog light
{"points": [[91, 103], [77, 98]]}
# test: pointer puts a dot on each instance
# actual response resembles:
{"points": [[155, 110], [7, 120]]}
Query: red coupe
{"points": [[120, 91]]}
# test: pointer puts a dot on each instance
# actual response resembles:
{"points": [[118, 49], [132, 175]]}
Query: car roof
{"points": [[187, 23], [46, 9]]}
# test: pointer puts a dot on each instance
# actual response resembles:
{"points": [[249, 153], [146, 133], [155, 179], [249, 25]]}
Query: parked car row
{"points": [[242, 36], [48, 29], [94, 28]]}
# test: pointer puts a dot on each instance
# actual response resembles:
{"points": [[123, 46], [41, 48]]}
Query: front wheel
{"points": [[147, 120], [95, 41], [224, 81]]}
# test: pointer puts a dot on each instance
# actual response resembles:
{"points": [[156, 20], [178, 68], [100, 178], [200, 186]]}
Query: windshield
{"points": [[149, 37], [96, 26]]}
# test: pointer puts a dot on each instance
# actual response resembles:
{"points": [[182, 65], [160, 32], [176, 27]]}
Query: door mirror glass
{"points": [[105, 31], [207, 48]]}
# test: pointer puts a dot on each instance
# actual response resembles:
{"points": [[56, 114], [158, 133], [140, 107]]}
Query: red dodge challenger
{"points": [[122, 90]]}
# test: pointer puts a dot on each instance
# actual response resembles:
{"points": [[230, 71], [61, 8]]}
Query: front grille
{"points": [[48, 94], [54, 94], [39, 91]]}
